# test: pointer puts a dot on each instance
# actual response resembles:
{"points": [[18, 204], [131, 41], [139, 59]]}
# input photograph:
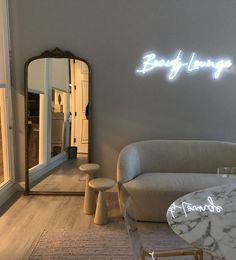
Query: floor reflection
{"points": [[66, 177]]}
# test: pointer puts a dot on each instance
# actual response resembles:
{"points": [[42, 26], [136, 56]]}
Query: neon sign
{"points": [[188, 207], [176, 65], [152, 254]]}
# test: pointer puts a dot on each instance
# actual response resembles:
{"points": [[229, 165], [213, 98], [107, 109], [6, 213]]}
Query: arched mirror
{"points": [[57, 105]]}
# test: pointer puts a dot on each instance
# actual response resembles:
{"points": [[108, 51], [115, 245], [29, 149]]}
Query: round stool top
{"points": [[89, 167], [101, 183]]}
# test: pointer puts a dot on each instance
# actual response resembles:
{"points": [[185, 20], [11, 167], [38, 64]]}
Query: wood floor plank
{"points": [[23, 223]]}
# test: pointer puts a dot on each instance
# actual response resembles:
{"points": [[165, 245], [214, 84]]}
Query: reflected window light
{"points": [[3, 45], [2, 63]]}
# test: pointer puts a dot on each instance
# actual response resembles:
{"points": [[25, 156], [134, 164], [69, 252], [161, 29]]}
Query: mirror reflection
{"points": [[57, 109]]}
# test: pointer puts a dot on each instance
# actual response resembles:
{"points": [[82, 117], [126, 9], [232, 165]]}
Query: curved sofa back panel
{"points": [[175, 156]]}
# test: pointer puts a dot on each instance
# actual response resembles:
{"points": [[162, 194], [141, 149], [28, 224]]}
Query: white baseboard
{"points": [[43, 170], [21, 186], [8, 190]]}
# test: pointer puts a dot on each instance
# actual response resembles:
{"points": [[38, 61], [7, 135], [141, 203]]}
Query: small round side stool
{"points": [[101, 184], [89, 197]]}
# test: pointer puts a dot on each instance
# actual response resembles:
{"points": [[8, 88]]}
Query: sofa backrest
{"points": [[185, 155]]}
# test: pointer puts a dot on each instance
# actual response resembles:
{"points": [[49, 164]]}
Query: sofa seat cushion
{"points": [[154, 192]]}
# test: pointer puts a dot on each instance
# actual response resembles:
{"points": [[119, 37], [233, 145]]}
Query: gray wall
{"points": [[113, 35]]}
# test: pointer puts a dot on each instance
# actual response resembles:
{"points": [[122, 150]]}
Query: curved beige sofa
{"points": [[157, 172]]}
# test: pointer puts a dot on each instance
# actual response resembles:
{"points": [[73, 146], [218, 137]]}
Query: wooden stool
{"points": [[101, 184], [89, 197]]}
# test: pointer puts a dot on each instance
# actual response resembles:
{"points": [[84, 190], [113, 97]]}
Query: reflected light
{"points": [[3, 79], [189, 207]]}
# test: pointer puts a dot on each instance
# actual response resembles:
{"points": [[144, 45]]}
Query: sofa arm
{"points": [[128, 166]]}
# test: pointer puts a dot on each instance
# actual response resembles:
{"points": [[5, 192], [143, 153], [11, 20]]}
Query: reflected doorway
{"points": [[33, 129]]}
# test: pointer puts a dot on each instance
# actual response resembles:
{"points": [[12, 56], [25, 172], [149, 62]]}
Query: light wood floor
{"points": [[24, 218], [24, 221]]}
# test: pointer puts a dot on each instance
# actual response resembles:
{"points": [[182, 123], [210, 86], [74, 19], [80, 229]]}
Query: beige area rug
{"points": [[104, 243], [83, 245]]}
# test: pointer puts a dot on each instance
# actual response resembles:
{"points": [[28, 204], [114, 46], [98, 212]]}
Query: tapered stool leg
{"points": [[89, 197], [101, 209], [101, 185]]}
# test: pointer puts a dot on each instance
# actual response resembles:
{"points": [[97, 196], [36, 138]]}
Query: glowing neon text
{"points": [[174, 66], [189, 207]]}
